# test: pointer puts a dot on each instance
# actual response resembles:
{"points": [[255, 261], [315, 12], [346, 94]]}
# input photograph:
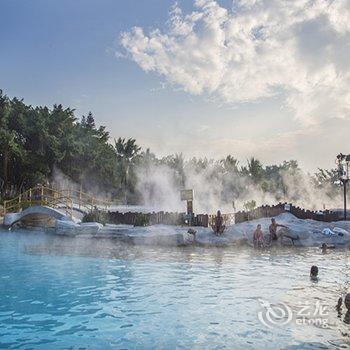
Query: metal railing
{"points": [[66, 199]]}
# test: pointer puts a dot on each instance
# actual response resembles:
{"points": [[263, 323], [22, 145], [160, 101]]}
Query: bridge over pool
{"points": [[41, 204]]}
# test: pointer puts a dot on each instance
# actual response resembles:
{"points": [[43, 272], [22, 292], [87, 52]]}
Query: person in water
{"points": [[273, 229], [314, 272], [219, 226], [347, 301], [324, 247], [258, 237], [347, 305]]}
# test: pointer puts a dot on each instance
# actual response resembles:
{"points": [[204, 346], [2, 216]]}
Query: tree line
{"points": [[38, 142]]}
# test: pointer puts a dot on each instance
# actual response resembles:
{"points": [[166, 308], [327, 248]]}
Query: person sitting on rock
{"points": [[258, 237], [219, 226], [273, 229]]}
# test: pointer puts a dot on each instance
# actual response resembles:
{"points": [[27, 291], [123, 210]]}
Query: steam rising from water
{"points": [[214, 189], [159, 185], [61, 181]]}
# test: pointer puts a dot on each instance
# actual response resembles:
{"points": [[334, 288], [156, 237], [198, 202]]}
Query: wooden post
{"points": [[30, 196], [206, 221], [189, 207], [70, 207], [41, 195]]}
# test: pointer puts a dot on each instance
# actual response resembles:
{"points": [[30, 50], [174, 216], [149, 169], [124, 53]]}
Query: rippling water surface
{"points": [[59, 293]]}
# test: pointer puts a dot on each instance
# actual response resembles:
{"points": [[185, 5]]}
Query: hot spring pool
{"points": [[75, 293]]}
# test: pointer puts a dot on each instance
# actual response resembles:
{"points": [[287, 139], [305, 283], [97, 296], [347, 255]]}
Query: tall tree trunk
{"points": [[126, 183], [5, 168]]}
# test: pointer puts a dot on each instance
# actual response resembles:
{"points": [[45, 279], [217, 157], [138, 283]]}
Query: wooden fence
{"points": [[130, 218], [165, 218], [264, 211], [325, 215], [207, 220], [274, 210]]}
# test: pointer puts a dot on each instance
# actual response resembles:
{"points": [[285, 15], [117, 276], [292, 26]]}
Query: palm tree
{"points": [[179, 164], [127, 152], [229, 164], [254, 170]]}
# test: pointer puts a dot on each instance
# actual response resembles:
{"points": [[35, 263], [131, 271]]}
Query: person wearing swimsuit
{"points": [[258, 237], [273, 229]]}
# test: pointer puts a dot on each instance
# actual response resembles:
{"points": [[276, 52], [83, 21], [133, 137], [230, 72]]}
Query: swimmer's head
{"points": [[218, 213], [259, 227], [314, 272], [347, 301], [273, 220]]}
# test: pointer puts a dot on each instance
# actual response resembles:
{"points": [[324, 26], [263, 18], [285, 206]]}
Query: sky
{"points": [[263, 78]]}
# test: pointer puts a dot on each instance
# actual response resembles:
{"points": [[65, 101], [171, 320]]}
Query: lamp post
{"points": [[187, 195], [343, 173]]}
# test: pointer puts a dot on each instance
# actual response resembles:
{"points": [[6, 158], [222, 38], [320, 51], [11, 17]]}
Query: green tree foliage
{"points": [[250, 205], [177, 164], [254, 170], [127, 154], [328, 180], [37, 141]]}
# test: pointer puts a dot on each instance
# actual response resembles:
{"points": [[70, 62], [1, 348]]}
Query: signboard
{"points": [[186, 195], [343, 171], [343, 166], [287, 207]]}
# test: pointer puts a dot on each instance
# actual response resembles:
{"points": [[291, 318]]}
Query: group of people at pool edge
{"points": [[260, 242], [258, 236]]}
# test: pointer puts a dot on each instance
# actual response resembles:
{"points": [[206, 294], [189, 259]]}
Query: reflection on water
{"points": [[58, 293]]}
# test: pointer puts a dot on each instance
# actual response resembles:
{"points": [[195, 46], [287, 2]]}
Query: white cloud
{"points": [[261, 48]]}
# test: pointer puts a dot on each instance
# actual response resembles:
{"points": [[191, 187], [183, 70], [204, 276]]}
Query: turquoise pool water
{"points": [[74, 293]]}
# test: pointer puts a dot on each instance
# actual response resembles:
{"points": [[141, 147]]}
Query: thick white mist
{"points": [[216, 189]]}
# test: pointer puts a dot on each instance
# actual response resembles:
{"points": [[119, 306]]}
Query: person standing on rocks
{"points": [[258, 237], [273, 229]]}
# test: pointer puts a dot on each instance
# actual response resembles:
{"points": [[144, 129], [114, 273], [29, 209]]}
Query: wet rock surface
{"points": [[298, 232]]}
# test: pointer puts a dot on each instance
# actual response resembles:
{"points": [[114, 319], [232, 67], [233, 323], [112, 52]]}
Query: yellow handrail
{"points": [[42, 195]]}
